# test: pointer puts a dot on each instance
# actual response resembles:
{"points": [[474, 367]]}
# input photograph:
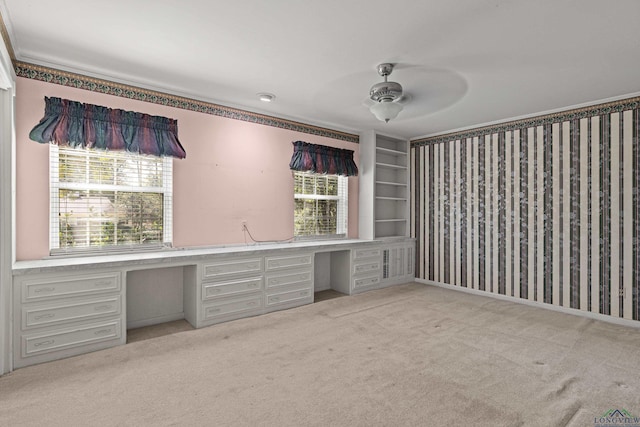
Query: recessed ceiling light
{"points": [[266, 97]]}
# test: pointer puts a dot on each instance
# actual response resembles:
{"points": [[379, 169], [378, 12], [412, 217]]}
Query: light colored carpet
{"points": [[412, 355]]}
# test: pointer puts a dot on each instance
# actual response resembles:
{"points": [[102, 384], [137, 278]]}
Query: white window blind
{"points": [[320, 204], [105, 201]]}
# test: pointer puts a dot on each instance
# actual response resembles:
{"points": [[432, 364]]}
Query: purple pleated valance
{"points": [[322, 159], [74, 124]]}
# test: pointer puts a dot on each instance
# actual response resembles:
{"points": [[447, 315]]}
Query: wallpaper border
{"points": [[64, 78], [577, 113]]}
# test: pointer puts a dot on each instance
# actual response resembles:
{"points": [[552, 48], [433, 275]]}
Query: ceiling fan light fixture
{"points": [[386, 110], [385, 96]]}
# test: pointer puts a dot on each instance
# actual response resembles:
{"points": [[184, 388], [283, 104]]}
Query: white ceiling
{"points": [[462, 62]]}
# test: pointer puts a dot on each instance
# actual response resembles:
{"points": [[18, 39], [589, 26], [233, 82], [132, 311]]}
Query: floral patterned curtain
{"points": [[71, 123], [322, 159]]}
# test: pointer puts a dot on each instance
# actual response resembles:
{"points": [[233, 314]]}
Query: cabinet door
{"points": [[410, 261]]}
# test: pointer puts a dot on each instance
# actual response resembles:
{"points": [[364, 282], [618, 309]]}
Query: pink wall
{"points": [[234, 171]]}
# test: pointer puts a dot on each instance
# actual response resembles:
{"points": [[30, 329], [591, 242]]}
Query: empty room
{"points": [[354, 213]]}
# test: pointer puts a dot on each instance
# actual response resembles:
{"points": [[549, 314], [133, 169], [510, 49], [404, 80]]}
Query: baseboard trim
{"points": [[154, 320], [565, 310]]}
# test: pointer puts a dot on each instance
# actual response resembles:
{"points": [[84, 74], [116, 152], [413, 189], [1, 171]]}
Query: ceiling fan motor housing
{"points": [[385, 91]]}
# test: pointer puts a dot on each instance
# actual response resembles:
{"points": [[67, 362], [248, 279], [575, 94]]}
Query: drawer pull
{"points": [[103, 308], [102, 283], [251, 303], [213, 310], [303, 293], [45, 316], [44, 290], [251, 266], [41, 343], [252, 285], [274, 299], [275, 281], [102, 332]]}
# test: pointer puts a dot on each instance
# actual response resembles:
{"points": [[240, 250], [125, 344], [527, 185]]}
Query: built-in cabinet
{"points": [[289, 281], [384, 187], [228, 289], [366, 270], [61, 311], [66, 314], [398, 262]]}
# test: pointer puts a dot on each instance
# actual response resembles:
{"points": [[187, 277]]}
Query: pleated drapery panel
{"points": [[322, 159], [74, 124]]}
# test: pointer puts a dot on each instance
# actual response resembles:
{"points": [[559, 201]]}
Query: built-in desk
{"points": [[69, 306]]}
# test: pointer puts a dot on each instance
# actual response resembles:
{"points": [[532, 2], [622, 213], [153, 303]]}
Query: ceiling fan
{"points": [[386, 96]]}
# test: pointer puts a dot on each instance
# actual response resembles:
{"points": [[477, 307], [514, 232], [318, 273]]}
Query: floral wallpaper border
{"points": [[51, 75], [547, 119]]}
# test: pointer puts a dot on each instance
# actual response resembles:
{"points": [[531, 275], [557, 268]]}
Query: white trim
{"points": [[7, 221], [559, 309]]}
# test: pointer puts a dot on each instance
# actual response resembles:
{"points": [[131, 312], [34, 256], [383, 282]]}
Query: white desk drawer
{"points": [[278, 263], [366, 282], [35, 344], [51, 287], [70, 310], [366, 253], [290, 297], [232, 287], [275, 281], [232, 267], [232, 307], [366, 267]]}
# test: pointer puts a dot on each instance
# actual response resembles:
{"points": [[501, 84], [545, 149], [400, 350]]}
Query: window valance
{"points": [[322, 159], [74, 124]]}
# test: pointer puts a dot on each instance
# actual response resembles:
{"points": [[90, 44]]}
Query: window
{"points": [[109, 200], [320, 204]]}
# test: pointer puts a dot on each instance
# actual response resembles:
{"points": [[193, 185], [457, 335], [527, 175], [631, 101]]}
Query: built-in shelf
{"points": [[399, 184], [390, 151], [399, 199], [390, 166], [385, 185]]}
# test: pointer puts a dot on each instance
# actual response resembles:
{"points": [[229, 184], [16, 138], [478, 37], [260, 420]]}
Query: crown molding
{"points": [[64, 78], [4, 32], [541, 120]]}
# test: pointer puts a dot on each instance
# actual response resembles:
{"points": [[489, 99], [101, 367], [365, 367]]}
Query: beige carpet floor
{"points": [[411, 355]]}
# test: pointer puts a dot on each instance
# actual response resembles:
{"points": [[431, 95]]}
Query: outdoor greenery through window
{"points": [[108, 200], [320, 204]]}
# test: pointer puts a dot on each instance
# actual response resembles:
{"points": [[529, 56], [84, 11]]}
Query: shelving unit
{"points": [[384, 182]]}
